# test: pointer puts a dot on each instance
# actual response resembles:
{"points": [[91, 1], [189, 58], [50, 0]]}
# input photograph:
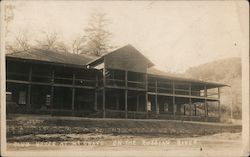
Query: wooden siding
{"points": [[126, 60]]}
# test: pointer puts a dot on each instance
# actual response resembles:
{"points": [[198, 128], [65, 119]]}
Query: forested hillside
{"points": [[227, 71]]}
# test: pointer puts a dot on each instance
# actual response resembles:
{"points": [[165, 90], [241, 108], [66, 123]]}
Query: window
{"points": [[165, 107], [22, 98], [149, 106]]}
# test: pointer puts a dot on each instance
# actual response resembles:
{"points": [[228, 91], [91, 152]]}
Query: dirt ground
{"points": [[223, 144]]}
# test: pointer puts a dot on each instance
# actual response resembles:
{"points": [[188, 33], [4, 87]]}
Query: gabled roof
{"points": [[69, 59], [154, 72], [127, 48], [50, 56]]}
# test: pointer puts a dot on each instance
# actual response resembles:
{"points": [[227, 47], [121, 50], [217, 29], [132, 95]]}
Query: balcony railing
{"points": [[122, 83]]}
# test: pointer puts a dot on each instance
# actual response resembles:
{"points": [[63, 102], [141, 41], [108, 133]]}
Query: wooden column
{"points": [[126, 94], [190, 105], [104, 93], [29, 89], [205, 95], [117, 102], [190, 100], [156, 98], [219, 107], [195, 109], [137, 103], [126, 104], [95, 100], [103, 103], [190, 89], [73, 94], [184, 109], [52, 88], [95, 97], [174, 106], [146, 94]]}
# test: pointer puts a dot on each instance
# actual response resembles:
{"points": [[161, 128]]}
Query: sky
{"points": [[175, 35]]}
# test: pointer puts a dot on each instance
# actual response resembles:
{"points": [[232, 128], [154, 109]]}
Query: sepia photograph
{"points": [[125, 78]]}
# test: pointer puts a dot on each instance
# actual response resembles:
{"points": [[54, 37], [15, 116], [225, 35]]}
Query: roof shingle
{"points": [[51, 56]]}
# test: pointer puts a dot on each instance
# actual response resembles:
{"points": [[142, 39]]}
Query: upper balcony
{"points": [[125, 79], [182, 88], [121, 79]]}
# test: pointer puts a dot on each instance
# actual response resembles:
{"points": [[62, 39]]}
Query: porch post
{"points": [[174, 106], [190, 105], [73, 94], [126, 94], [195, 109], [184, 109], [126, 103], [219, 107], [137, 103], [95, 103], [205, 95], [146, 94], [104, 92], [96, 86], [52, 88], [29, 89], [117, 102], [103, 102], [156, 98], [190, 100]]}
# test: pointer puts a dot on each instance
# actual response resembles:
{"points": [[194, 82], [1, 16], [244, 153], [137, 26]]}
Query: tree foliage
{"points": [[47, 41], [21, 42], [51, 41], [97, 37], [78, 45]]}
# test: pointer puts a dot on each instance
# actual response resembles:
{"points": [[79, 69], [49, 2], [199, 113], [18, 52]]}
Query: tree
{"points": [[51, 41], [22, 42], [78, 45], [97, 36]]}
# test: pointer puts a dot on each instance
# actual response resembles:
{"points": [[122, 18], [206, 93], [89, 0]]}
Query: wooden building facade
{"points": [[119, 84]]}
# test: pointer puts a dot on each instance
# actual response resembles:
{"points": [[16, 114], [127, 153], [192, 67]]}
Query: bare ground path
{"points": [[224, 144], [144, 137]]}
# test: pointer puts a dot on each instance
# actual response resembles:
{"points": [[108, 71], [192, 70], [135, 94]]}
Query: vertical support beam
{"points": [[137, 103], [190, 100], [219, 107], [184, 109], [206, 108], [156, 98], [195, 109], [29, 97], [190, 89], [104, 92], [29, 89], [95, 100], [126, 94], [174, 106], [52, 88], [103, 102], [126, 79], [190, 106], [146, 94], [146, 101], [73, 93], [117, 102], [96, 86], [205, 95], [126, 103], [205, 91], [146, 81]]}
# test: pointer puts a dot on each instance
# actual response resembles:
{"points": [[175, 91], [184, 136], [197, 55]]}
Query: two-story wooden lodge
{"points": [[119, 84]]}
